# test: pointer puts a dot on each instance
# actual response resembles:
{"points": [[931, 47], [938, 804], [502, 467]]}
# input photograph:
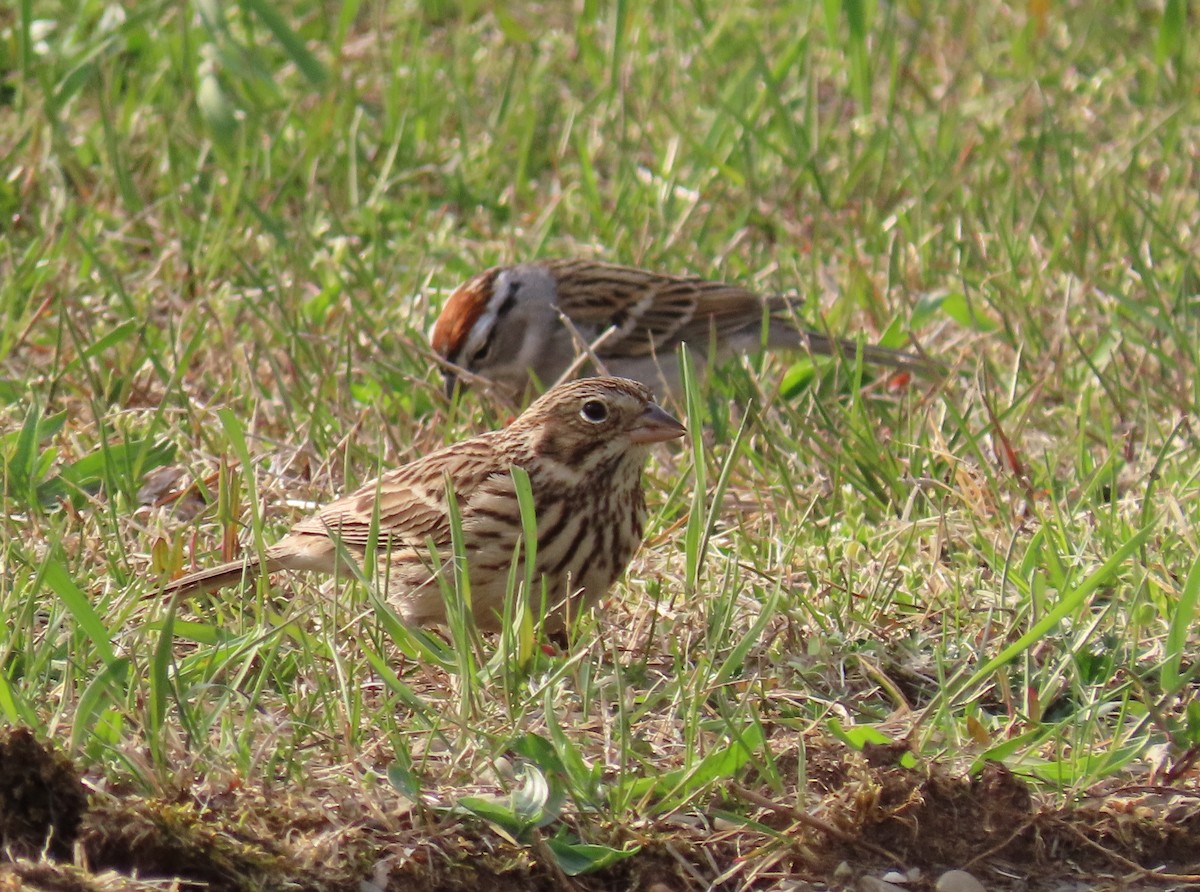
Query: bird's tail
{"points": [[791, 335], [872, 353], [201, 581]]}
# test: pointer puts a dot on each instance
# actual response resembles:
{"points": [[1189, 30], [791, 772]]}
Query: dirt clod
{"points": [[42, 800]]}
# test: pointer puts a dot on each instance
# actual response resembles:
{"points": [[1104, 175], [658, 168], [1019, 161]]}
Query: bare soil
{"points": [[862, 814]]}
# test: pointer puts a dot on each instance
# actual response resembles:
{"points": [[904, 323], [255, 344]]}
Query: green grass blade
{"points": [[1069, 602], [56, 577]]}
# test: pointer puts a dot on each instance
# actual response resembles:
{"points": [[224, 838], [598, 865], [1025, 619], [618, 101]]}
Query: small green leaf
{"points": [[400, 775], [1171, 31], [674, 788], [576, 858], [584, 780], [128, 462], [366, 391], [498, 813], [122, 332], [11, 391], [292, 43], [1182, 622], [797, 378], [956, 306], [857, 736], [510, 27], [112, 678], [1193, 721], [14, 708], [540, 752], [531, 805], [200, 633]]}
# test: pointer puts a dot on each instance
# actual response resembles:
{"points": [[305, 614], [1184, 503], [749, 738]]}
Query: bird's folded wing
{"points": [[408, 506], [653, 313]]}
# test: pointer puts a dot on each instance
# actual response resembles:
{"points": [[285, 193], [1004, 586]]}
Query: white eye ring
{"points": [[594, 411]]}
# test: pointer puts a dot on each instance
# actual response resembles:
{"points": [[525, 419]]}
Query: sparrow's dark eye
{"points": [[484, 353], [594, 411]]}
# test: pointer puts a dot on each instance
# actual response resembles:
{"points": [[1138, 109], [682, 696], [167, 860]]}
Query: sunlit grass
{"points": [[227, 229]]}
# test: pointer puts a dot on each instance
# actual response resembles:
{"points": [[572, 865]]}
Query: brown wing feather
{"points": [[411, 499], [655, 312]]}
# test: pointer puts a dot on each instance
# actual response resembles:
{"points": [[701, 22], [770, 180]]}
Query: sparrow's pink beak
{"points": [[656, 425]]}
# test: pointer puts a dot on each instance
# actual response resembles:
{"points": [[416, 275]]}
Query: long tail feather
{"points": [[898, 359], [231, 573], [792, 335]]}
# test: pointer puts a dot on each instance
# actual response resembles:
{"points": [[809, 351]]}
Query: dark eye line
{"points": [[510, 299], [506, 305]]}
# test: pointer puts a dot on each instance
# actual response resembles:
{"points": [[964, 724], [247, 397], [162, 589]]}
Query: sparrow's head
{"points": [[584, 424], [497, 325]]}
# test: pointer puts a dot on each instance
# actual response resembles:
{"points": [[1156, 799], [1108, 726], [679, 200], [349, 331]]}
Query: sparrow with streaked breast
{"points": [[583, 445]]}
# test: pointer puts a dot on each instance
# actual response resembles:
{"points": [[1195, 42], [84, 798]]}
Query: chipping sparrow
{"points": [[583, 445], [516, 325]]}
